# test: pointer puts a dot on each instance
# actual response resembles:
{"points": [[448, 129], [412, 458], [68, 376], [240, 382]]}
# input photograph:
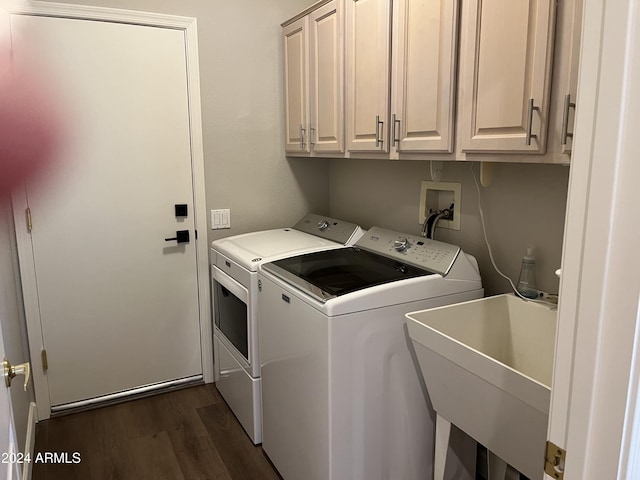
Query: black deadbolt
{"points": [[182, 210]]}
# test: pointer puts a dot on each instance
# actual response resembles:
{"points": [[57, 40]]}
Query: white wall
{"points": [[525, 205]]}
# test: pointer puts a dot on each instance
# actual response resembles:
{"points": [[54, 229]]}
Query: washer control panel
{"points": [[329, 228], [421, 252]]}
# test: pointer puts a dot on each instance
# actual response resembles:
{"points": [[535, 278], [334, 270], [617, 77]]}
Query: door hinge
{"points": [[27, 213], [45, 361], [554, 461]]}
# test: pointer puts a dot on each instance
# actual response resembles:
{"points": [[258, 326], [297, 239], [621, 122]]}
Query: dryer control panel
{"points": [[421, 252], [330, 228]]}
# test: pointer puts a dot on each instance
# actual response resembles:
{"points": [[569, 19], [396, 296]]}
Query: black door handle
{"points": [[182, 236]]}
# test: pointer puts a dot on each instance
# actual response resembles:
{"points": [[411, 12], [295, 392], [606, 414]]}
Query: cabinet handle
{"points": [[378, 124], [302, 132], [532, 107], [565, 118], [395, 121], [312, 132]]}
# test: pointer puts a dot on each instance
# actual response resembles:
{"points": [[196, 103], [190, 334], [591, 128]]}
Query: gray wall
{"points": [[524, 205], [243, 112]]}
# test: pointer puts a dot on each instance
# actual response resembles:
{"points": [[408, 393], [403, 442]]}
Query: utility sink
{"points": [[487, 366]]}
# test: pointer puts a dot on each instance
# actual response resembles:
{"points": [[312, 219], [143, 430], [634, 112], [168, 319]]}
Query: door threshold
{"points": [[125, 396]]}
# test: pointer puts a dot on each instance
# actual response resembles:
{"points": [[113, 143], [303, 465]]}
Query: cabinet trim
{"points": [[305, 12]]}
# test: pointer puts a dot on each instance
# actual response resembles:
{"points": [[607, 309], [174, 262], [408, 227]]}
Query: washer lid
{"points": [[251, 249], [328, 274], [311, 233]]}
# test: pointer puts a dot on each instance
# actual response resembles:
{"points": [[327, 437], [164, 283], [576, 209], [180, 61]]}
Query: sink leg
{"points": [[458, 448], [496, 466], [443, 432]]}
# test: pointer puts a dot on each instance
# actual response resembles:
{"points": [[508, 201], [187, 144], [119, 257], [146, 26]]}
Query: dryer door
{"points": [[232, 312]]}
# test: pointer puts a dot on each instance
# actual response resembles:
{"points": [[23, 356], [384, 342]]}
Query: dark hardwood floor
{"points": [[186, 434]]}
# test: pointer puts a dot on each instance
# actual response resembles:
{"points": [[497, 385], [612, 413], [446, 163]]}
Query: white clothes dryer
{"points": [[235, 261], [340, 393]]}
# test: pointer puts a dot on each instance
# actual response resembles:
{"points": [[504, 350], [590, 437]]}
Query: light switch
{"points": [[220, 218]]}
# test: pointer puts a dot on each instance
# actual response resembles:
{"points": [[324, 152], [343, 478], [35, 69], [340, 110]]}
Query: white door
{"points": [[9, 450], [117, 303]]}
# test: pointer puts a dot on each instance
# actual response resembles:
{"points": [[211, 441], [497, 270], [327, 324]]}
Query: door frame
{"points": [[27, 266], [595, 404]]}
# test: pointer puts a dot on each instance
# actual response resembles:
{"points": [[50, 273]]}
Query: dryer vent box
{"points": [[435, 196]]}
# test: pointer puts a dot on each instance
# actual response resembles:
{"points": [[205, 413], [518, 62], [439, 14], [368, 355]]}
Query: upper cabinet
{"points": [[314, 80], [326, 78], [407, 105], [505, 72], [425, 35], [368, 39], [296, 84], [433, 79], [569, 32]]}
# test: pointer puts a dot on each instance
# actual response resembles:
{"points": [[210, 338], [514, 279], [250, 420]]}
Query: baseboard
{"points": [[30, 442]]}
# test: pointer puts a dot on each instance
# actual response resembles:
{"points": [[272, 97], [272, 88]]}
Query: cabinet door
{"points": [[424, 66], [571, 12], [326, 74], [296, 81], [505, 66], [368, 39]]}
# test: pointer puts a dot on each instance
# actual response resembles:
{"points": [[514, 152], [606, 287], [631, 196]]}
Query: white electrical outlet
{"points": [[435, 196], [220, 218]]}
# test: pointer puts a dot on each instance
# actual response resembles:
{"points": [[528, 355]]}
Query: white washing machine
{"points": [[234, 267], [341, 396]]}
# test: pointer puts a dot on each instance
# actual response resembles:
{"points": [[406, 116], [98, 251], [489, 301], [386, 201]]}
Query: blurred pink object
{"points": [[29, 123]]}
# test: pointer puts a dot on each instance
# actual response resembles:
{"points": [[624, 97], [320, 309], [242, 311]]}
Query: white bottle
{"points": [[527, 281]]}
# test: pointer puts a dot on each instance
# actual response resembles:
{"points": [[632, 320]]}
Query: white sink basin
{"points": [[487, 366]]}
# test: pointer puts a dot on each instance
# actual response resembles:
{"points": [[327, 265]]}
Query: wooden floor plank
{"points": [[154, 458], [243, 460], [110, 458], [197, 455], [64, 440], [184, 434], [39, 470]]}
